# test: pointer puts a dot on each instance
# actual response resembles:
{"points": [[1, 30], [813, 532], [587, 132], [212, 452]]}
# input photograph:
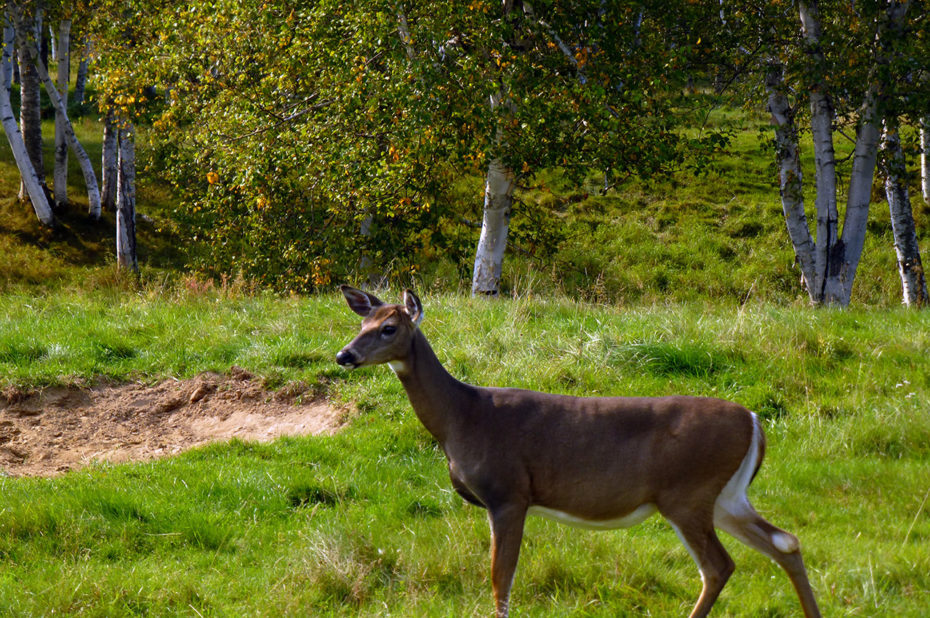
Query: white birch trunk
{"points": [[865, 155], [109, 162], [90, 178], [31, 180], [925, 158], [907, 250], [63, 56], [789, 174], [404, 31], [498, 201], [30, 116], [126, 202], [822, 118], [6, 67], [837, 256]]}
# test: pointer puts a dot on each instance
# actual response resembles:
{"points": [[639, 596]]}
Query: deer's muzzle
{"points": [[347, 358]]}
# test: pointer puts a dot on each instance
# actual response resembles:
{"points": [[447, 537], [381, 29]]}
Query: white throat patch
{"points": [[398, 367]]}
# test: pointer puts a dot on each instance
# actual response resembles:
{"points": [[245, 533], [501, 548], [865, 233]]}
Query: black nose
{"points": [[346, 358]]}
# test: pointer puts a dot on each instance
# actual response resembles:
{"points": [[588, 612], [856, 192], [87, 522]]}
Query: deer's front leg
{"points": [[507, 534]]}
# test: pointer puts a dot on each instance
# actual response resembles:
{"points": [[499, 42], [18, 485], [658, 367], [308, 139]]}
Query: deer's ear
{"points": [[413, 307], [360, 302]]}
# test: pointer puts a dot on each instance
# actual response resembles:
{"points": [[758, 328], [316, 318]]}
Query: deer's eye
{"points": [[388, 331]]}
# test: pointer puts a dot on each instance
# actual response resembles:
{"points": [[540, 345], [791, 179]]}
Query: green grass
{"points": [[365, 523]]}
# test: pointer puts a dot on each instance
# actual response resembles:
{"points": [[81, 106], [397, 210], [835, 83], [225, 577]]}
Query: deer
{"points": [[591, 462]]}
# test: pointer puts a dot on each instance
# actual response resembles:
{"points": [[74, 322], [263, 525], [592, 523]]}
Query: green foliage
{"points": [[315, 142]]}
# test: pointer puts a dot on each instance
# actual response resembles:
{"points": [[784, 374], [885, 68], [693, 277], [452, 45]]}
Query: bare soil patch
{"points": [[47, 432]]}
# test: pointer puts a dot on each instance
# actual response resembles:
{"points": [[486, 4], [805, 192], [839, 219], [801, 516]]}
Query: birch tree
{"points": [[126, 256], [910, 266], [63, 56], [31, 180], [925, 158], [280, 121], [80, 80], [29, 50], [828, 261], [30, 113], [498, 185], [109, 165]]}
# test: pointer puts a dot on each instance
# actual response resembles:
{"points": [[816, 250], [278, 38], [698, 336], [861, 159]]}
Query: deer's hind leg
{"points": [[697, 534], [737, 517]]}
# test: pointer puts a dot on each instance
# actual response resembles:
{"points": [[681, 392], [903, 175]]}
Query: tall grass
{"points": [[365, 523]]}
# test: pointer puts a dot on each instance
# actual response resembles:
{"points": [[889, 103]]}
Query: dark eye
{"points": [[388, 330]]}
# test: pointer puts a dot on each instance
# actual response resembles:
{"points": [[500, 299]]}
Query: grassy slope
{"points": [[719, 237]]}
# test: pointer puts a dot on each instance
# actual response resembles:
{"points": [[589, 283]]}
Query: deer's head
{"points": [[387, 330]]}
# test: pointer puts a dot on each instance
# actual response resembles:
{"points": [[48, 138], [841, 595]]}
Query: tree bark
{"points": [[63, 55], [34, 188], [126, 201], [910, 267], [498, 201], [30, 118], [498, 188], [109, 162], [843, 271], [90, 178], [925, 158], [80, 80], [865, 154], [789, 174]]}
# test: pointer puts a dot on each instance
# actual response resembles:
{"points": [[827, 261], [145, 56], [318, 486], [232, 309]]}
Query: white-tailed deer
{"points": [[595, 462]]}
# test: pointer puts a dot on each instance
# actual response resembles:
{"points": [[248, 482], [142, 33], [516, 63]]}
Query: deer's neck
{"points": [[437, 398]]}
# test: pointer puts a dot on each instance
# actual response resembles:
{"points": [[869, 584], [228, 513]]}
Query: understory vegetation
{"points": [[716, 237]]}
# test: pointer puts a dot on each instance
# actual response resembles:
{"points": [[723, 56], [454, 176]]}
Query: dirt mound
{"points": [[56, 429]]}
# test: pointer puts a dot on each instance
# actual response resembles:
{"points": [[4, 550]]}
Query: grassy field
{"points": [[365, 523]]}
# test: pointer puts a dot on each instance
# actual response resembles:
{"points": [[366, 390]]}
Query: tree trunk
{"points": [[126, 201], [41, 37], [80, 81], [109, 163], [925, 158], [865, 156], [828, 247], [30, 116], [62, 53], [913, 282], [31, 180], [498, 201], [90, 178], [836, 257], [789, 173]]}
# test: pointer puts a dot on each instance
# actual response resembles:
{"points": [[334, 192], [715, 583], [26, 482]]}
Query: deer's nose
{"points": [[346, 358]]}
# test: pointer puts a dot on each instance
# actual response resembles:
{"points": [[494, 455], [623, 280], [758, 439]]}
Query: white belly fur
{"points": [[631, 519]]}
